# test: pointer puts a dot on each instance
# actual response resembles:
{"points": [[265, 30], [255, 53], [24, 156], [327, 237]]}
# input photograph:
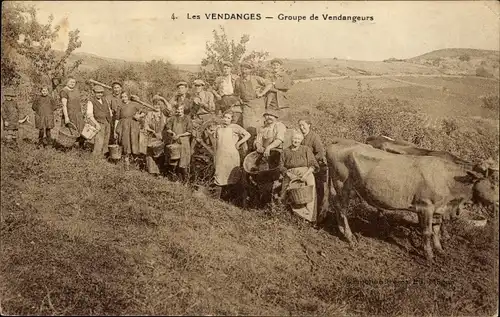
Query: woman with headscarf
{"points": [[312, 140], [298, 163], [72, 109], [128, 126], [229, 137]]}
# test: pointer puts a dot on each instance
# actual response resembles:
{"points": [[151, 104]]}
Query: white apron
{"points": [[307, 211], [227, 157]]}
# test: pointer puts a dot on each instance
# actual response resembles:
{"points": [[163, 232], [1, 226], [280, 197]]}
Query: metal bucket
{"points": [[115, 152]]}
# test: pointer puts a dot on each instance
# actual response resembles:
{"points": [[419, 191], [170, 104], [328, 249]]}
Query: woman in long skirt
{"points": [[178, 129], [229, 137], [298, 163], [312, 140], [154, 122], [128, 127]]}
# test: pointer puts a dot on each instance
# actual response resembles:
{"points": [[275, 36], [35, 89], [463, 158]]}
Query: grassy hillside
{"points": [[83, 237], [457, 52]]}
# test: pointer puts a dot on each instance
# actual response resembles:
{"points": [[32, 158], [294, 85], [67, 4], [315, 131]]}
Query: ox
{"points": [[485, 192], [430, 186]]}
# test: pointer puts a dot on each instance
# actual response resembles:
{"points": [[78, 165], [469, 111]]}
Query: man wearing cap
{"points": [[115, 103], [250, 88], [224, 92], [100, 114], [203, 101], [276, 97], [10, 115], [271, 135], [183, 97]]}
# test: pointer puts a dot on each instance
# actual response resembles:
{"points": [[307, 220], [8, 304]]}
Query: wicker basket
{"points": [[300, 193], [67, 138], [156, 148]]}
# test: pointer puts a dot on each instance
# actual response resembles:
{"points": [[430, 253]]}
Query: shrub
{"points": [[482, 72], [464, 58], [491, 102]]}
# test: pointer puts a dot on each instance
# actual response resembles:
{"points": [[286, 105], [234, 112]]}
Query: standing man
{"points": [[115, 103], [72, 110], [100, 114], [250, 89], [276, 97], [224, 92], [203, 101], [182, 97]]}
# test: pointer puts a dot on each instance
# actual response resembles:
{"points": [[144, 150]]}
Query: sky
{"points": [[141, 30]]}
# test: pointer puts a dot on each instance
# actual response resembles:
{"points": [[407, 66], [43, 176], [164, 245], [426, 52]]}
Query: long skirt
{"points": [[227, 158], [128, 131], [307, 211]]}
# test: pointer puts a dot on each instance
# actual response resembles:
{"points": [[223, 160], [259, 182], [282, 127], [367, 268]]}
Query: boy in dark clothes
{"points": [[44, 107], [10, 116]]}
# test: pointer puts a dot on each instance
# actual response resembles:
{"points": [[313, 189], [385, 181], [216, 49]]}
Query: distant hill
{"points": [[450, 61], [457, 52], [466, 61]]}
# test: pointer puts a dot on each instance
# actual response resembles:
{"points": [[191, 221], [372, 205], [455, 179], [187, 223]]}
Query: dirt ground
{"points": [[79, 236]]}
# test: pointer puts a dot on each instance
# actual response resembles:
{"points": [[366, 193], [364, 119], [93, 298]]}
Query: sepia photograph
{"points": [[250, 158]]}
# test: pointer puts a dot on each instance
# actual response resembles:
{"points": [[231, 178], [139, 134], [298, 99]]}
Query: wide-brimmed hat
{"points": [[98, 88], [9, 91], [227, 63], [271, 112], [276, 60], [181, 83], [199, 82]]}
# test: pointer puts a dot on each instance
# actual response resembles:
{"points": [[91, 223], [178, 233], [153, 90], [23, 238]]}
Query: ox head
{"points": [[485, 188]]}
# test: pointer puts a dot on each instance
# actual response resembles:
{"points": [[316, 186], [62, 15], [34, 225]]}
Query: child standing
{"points": [[10, 116], [44, 107]]}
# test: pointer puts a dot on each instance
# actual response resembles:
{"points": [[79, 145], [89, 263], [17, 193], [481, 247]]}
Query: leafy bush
{"points": [[483, 72]]}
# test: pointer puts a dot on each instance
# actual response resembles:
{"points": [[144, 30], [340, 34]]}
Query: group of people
{"points": [[247, 106]]}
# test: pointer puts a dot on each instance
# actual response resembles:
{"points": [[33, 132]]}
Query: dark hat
{"points": [[98, 88], [227, 63], [181, 83], [271, 112], [116, 83], [277, 60], [246, 65], [9, 91], [199, 82]]}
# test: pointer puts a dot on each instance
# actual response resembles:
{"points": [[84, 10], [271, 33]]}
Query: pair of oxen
{"points": [[396, 175]]}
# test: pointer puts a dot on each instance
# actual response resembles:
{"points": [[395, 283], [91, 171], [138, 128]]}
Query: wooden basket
{"points": [[89, 131], [302, 194]]}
